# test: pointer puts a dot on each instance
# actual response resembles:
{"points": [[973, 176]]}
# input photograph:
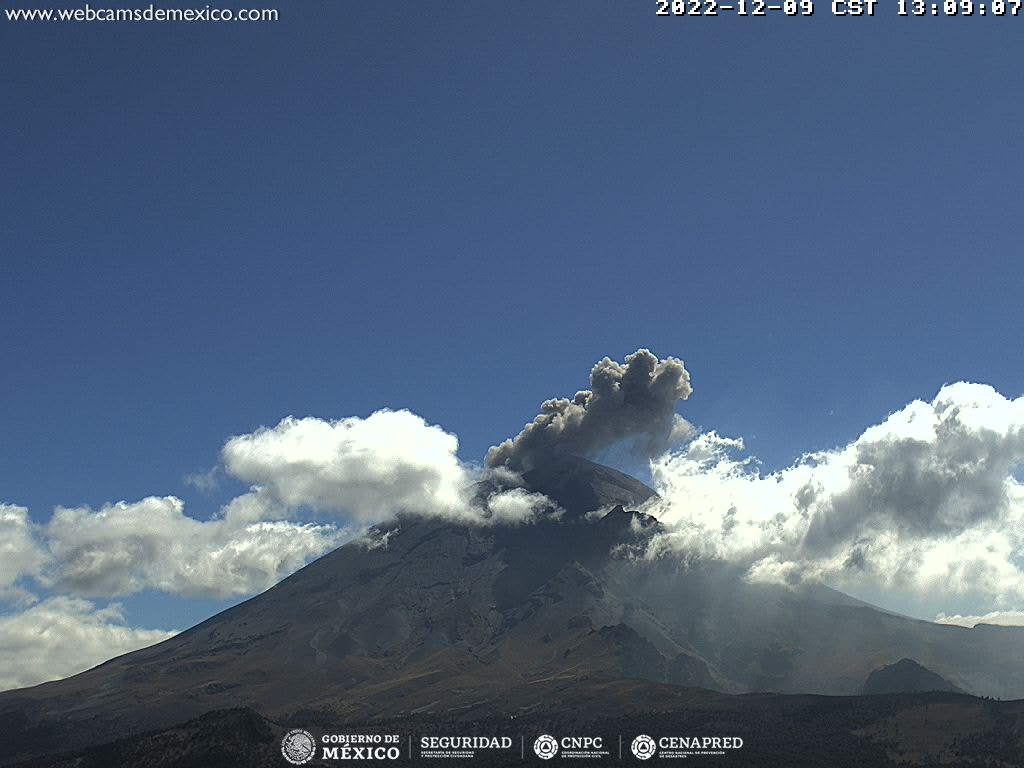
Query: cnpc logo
{"points": [[547, 746]]}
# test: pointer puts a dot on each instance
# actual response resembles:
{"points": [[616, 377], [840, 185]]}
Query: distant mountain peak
{"points": [[906, 676]]}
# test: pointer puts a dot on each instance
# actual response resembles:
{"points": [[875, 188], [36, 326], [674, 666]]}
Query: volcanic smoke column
{"points": [[632, 402]]}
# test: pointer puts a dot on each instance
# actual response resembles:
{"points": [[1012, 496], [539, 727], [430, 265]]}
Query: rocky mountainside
{"points": [[429, 618]]}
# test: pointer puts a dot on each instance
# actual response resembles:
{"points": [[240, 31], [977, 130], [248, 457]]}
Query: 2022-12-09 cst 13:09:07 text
{"points": [[910, 8]]}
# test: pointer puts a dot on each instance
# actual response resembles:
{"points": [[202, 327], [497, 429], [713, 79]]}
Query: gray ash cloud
{"points": [[632, 402]]}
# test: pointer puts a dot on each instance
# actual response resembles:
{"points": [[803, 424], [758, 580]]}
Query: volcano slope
{"points": [[429, 619]]}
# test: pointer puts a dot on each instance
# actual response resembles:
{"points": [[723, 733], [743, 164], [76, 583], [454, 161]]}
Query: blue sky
{"points": [[459, 208]]}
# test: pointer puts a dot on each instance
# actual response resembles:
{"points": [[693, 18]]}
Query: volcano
{"points": [[424, 617]]}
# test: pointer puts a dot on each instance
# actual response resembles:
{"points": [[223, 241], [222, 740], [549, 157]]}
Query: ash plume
{"points": [[632, 402]]}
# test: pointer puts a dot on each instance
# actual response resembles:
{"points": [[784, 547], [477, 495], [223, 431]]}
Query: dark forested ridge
{"points": [[888, 731]]}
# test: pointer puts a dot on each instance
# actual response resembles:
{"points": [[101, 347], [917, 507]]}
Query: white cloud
{"points": [[365, 470], [127, 547], [62, 636], [206, 481], [999, 618], [925, 501], [516, 505], [20, 552], [369, 469]]}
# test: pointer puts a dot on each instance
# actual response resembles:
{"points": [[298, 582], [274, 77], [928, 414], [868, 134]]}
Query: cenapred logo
{"points": [[298, 746], [546, 747], [644, 747]]}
